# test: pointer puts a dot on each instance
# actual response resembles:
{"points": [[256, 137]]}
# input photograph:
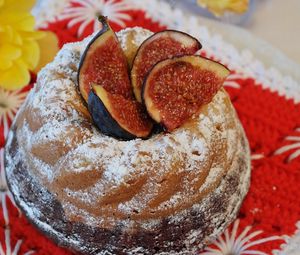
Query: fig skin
{"points": [[102, 113], [104, 121], [109, 69], [160, 116], [192, 45]]}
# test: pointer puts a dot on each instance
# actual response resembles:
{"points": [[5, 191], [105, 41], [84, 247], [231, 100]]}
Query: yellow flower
{"points": [[19, 43], [218, 7]]}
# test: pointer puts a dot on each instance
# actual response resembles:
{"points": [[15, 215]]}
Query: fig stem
{"points": [[103, 19]]}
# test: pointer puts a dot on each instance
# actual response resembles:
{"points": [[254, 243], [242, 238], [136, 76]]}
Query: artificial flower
{"points": [[19, 46], [10, 102], [218, 7]]}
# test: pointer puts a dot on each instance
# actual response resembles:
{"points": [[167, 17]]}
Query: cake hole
{"points": [[135, 211]]}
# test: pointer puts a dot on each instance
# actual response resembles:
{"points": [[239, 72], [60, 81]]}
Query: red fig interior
{"points": [[160, 46], [176, 88], [173, 89], [104, 63]]}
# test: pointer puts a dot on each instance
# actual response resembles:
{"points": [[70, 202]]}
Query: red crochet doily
{"points": [[271, 123]]}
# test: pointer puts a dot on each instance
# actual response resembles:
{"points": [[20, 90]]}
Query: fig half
{"points": [[175, 89], [105, 64], [162, 45], [118, 116]]}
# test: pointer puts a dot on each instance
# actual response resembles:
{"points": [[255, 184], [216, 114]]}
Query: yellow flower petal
{"points": [[19, 49], [19, 21], [15, 77], [5, 64], [17, 5], [48, 49], [35, 35], [16, 38], [9, 52], [30, 53], [6, 35]]}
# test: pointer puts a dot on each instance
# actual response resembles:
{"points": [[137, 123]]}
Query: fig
{"points": [[118, 116], [175, 89], [104, 63], [162, 45]]}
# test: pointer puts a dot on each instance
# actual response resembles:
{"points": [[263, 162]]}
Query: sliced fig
{"points": [[163, 45], [118, 116], [175, 89], [105, 64]]}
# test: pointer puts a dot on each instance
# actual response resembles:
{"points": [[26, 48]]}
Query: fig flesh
{"points": [[118, 116], [105, 64], [162, 45], [175, 89]]}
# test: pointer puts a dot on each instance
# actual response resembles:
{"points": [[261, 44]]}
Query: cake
{"points": [[172, 193]]}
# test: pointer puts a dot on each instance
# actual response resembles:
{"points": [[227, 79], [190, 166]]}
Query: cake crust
{"points": [[80, 203]]}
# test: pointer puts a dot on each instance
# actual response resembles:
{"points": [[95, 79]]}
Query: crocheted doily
{"points": [[267, 102]]}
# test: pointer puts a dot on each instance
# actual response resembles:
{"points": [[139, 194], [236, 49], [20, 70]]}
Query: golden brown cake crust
{"points": [[171, 193]]}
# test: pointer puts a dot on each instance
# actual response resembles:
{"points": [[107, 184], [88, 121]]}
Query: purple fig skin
{"points": [[104, 121], [163, 34]]}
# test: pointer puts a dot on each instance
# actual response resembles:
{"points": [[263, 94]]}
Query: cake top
{"points": [[161, 84]]}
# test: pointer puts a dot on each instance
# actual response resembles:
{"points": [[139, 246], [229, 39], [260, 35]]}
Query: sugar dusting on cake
{"points": [[76, 147]]}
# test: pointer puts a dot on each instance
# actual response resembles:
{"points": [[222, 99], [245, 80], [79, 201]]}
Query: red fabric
{"points": [[273, 202]]}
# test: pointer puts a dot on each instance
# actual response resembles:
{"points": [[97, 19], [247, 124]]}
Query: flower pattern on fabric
{"points": [[87, 12], [9, 248], [230, 243], [10, 102], [294, 147]]}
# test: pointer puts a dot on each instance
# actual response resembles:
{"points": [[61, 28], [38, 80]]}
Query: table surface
{"points": [[278, 22]]}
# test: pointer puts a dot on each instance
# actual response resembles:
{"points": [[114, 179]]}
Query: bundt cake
{"points": [[169, 193]]}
